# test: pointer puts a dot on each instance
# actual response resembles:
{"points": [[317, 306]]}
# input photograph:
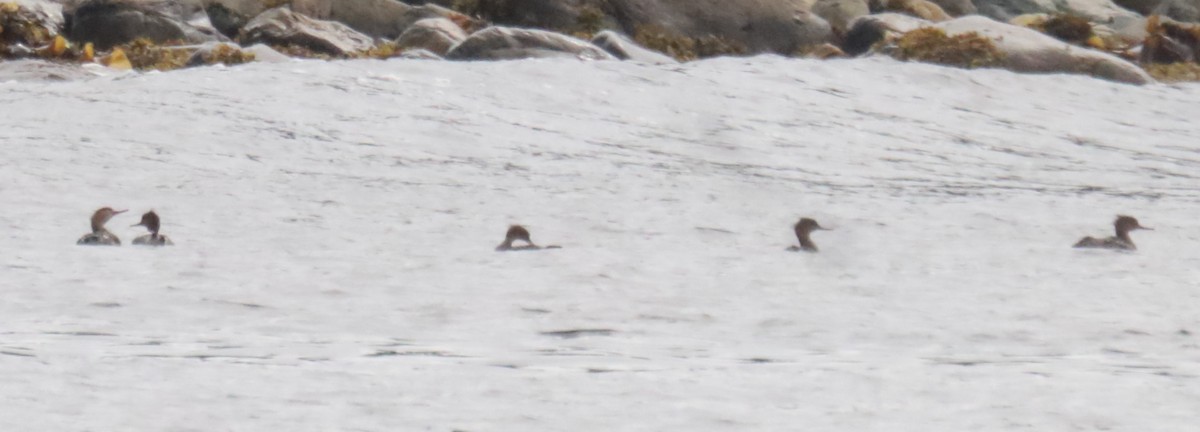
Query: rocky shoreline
{"points": [[1130, 41]]}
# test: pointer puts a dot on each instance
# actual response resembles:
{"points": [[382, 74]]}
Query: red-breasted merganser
{"points": [[99, 235], [150, 221], [1124, 225], [517, 232], [803, 228]]}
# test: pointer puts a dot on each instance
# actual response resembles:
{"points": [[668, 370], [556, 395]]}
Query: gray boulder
{"points": [[780, 26], [388, 19], [227, 21], [869, 30], [266, 54], [1179, 10], [106, 23], [507, 43], [282, 26], [557, 15], [957, 8], [1099, 11], [622, 48], [923, 9], [419, 54], [1144, 7], [229, 53], [1027, 50], [436, 35], [385, 19], [839, 13]]}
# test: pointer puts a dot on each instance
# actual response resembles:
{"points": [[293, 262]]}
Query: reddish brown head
{"points": [[807, 225], [150, 221], [1125, 224], [101, 217], [517, 232], [802, 229]]}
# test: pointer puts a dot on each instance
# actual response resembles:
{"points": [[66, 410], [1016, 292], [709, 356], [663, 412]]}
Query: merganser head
{"points": [[150, 221], [517, 232], [802, 229], [101, 217], [807, 225], [1126, 224]]}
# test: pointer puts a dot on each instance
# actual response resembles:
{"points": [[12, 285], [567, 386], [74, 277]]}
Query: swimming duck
{"points": [[99, 235], [150, 221], [517, 232], [1123, 224], [803, 228]]}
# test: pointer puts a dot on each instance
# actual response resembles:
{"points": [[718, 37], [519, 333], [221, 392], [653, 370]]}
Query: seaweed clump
{"points": [[589, 22], [17, 26], [292, 50], [1069, 28], [144, 54], [685, 48], [1174, 72], [931, 45], [1169, 42], [1170, 51], [228, 55]]}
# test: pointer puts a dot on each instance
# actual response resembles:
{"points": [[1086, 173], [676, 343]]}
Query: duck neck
{"points": [[1123, 234], [806, 243]]}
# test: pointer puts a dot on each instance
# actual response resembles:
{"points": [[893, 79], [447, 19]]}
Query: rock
{"points": [[388, 19], [557, 15], [507, 43], [869, 30], [26, 24], [757, 26], [282, 26], [623, 48], [419, 54], [839, 13], [436, 35], [1027, 50], [1171, 42], [1179, 10], [265, 54], [957, 8], [41, 70], [825, 52], [107, 23], [1144, 7], [923, 9], [384, 19], [1097, 11], [219, 52], [227, 21]]}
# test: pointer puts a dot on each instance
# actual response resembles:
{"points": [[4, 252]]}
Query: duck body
{"points": [[100, 235], [153, 240], [102, 238], [1121, 241], [151, 221], [1105, 243]]}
